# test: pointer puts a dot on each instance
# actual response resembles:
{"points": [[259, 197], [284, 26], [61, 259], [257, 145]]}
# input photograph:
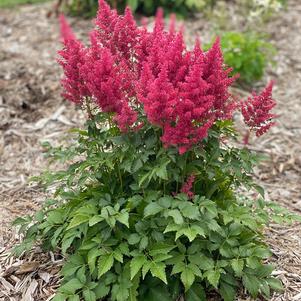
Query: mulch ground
{"points": [[32, 111]]}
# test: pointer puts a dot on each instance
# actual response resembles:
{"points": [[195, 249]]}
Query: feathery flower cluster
{"points": [[72, 58], [187, 186], [130, 71], [257, 111]]}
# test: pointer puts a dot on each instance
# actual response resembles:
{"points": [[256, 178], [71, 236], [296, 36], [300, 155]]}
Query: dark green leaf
{"points": [[89, 295], [187, 278], [152, 209], [195, 293], [105, 263], [228, 292], [71, 286]]}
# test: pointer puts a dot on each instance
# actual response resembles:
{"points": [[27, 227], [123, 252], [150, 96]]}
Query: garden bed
{"points": [[32, 111]]}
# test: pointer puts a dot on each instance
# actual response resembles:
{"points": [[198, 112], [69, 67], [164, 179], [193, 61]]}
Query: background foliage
{"points": [[248, 54], [88, 8]]}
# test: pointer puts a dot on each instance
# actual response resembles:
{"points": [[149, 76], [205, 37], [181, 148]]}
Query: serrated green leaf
{"points": [[199, 230], [81, 275], [133, 291], [70, 269], [55, 217], [101, 290], [73, 298], [59, 297], [171, 227], [105, 263], [275, 284], [190, 211], [118, 255], [67, 242], [120, 291], [203, 262], [165, 201], [213, 225], [228, 292], [262, 253], [265, 270], [213, 277], [134, 238], [146, 267], [252, 284], [253, 262], [71, 286], [196, 270], [78, 220], [188, 232], [161, 171], [95, 219], [237, 266], [92, 256], [265, 289], [161, 257], [152, 209], [143, 243], [226, 251], [187, 278], [176, 215], [158, 270], [123, 218], [89, 295], [160, 248], [136, 265], [178, 267]]}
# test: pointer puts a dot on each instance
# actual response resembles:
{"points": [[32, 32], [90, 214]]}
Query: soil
{"points": [[32, 111]]}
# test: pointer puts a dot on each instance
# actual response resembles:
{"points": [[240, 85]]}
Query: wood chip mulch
{"points": [[32, 111]]}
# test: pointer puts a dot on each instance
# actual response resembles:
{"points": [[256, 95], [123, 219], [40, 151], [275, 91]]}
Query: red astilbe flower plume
{"points": [[187, 186], [119, 33], [218, 78], [257, 110], [183, 91], [66, 31], [72, 58], [134, 73], [107, 83]]}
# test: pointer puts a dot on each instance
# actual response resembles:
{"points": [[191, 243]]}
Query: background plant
{"points": [[87, 8], [262, 10], [248, 54], [147, 207]]}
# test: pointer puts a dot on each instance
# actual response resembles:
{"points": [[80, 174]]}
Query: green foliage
{"points": [[262, 10], [129, 234], [248, 54], [83, 8], [87, 8]]}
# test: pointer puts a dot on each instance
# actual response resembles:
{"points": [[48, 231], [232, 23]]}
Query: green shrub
{"points": [[87, 8], [126, 236], [84, 8], [262, 10], [248, 54]]}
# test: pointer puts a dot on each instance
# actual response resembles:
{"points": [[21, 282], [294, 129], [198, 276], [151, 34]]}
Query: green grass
{"points": [[12, 3]]}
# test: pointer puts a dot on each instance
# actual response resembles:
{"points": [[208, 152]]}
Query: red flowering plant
{"points": [[148, 207]]}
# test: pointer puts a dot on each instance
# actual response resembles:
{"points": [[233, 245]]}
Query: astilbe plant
{"points": [[147, 207]]}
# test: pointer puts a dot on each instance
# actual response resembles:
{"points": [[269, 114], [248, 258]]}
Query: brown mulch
{"points": [[32, 111]]}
